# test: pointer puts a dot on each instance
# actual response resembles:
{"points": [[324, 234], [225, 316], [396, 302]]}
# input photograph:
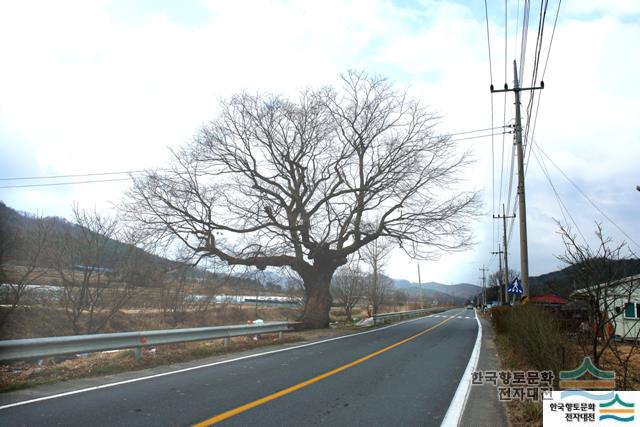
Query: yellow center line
{"points": [[228, 414]]}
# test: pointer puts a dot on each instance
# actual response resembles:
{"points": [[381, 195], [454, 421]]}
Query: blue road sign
{"points": [[515, 288]]}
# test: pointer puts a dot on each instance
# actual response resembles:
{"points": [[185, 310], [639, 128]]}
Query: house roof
{"points": [[548, 299], [628, 283]]}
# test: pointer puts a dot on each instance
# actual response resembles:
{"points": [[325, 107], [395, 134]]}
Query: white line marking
{"points": [[192, 368], [454, 414]]}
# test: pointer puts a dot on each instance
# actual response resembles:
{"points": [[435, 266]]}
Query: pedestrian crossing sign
{"points": [[515, 288]]}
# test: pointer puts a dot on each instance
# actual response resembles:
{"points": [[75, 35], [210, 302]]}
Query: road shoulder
{"points": [[483, 407]]}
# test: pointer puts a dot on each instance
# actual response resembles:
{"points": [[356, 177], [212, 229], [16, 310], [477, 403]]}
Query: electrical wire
{"points": [[586, 196], [69, 176], [51, 184], [561, 204]]}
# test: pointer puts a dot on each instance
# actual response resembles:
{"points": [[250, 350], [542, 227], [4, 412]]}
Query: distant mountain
{"points": [[460, 290]]}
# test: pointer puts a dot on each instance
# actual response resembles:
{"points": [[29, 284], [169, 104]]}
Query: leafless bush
{"points": [[597, 274], [348, 288], [93, 270], [26, 250]]}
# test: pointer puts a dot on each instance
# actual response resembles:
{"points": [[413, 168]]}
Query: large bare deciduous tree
{"points": [[304, 183]]}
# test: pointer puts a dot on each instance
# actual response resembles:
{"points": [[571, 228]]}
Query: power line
{"points": [[479, 136], [69, 176], [51, 184], [493, 156], [486, 15], [477, 130], [523, 40], [586, 196], [561, 205], [533, 128]]}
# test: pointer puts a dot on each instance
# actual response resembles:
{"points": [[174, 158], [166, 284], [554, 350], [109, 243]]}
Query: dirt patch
{"points": [[48, 321]]}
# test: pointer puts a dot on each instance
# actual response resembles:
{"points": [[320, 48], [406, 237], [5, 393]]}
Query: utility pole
{"points": [[484, 288], [499, 252], [420, 285], [522, 206], [505, 276]]}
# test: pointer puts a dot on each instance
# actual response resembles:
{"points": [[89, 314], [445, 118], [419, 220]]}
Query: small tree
{"points": [[376, 256], [496, 281], [348, 288], [93, 268], [26, 249]]}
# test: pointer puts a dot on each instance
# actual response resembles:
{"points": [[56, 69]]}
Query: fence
{"points": [[31, 348], [400, 315]]}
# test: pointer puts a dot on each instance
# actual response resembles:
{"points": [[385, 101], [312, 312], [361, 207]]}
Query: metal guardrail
{"points": [[399, 315], [11, 350]]}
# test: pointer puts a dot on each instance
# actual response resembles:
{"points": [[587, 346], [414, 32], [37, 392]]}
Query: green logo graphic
{"points": [[624, 413], [599, 379]]}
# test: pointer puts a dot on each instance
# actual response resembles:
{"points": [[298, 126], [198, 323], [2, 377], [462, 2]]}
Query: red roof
{"points": [[548, 299]]}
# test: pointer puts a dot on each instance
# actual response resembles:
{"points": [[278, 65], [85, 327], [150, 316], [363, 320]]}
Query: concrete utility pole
{"points": [[484, 288], [505, 276], [522, 207], [500, 288], [420, 285]]}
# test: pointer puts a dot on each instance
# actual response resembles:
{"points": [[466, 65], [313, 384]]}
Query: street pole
{"points": [[522, 206], [505, 275], [500, 288], [420, 285], [484, 289], [506, 256]]}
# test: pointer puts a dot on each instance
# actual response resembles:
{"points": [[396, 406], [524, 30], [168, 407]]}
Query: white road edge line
{"points": [[192, 368], [453, 417]]}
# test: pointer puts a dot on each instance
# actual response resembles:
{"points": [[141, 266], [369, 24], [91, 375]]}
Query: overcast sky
{"points": [[109, 86]]}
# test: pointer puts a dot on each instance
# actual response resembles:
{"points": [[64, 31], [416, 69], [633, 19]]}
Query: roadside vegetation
{"points": [[529, 337], [22, 375]]}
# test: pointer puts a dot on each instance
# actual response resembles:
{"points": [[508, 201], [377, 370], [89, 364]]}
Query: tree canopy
{"points": [[305, 183]]}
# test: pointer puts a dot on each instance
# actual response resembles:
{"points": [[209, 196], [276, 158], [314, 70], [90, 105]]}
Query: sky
{"points": [[111, 86]]}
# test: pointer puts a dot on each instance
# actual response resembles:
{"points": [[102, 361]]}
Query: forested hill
{"points": [[563, 282]]}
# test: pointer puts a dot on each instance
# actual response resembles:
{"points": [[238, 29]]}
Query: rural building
{"points": [[621, 300]]}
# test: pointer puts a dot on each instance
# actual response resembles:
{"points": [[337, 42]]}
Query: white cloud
{"points": [[83, 91]]}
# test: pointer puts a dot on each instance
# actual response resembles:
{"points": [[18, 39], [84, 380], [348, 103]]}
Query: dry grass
{"points": [[520, 413], [610, 362], [47, 321]]}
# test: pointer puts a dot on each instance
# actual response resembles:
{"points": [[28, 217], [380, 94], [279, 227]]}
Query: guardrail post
{"points": [[226, 341], [280, 335], [137, 352]]}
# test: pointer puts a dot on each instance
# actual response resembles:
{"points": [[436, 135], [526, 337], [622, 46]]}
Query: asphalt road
{"points": [[405, 374]]}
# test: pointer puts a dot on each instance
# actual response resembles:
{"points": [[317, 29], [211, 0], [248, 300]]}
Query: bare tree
{"points": [[176, 298], [304, 184], [92, 267], [496, 278], [23, 258], [348, 288], [597, 275], [375, 256]]}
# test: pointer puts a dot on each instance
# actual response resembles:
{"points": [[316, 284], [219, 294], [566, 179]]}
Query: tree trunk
{"points": [[317, 288]]}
